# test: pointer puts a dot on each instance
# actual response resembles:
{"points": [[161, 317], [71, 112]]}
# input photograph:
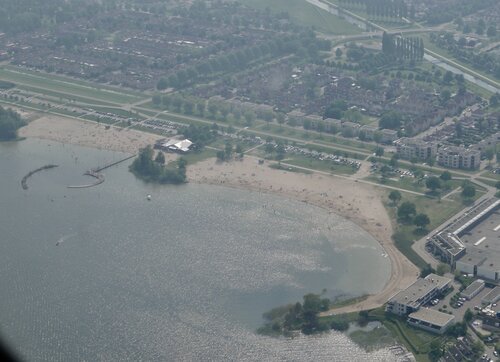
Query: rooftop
{"points": [[432, 316], [492, 295], [412, 295], [440, 281], [476, 284]]}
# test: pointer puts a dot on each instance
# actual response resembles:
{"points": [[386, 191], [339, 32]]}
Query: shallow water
{"points": [[103, 274]]}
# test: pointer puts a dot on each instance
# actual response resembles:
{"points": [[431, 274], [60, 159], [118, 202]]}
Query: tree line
{"points": [[306, 45], [382, 8], [463, 51], [403, 48]]}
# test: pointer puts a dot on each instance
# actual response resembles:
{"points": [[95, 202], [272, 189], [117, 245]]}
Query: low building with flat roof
{"points": [[468, 243], [474, 289], [419, 293], [469, 262], [492, 297], [431, 320]]}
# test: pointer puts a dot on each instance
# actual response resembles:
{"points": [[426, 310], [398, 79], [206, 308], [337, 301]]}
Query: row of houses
{"points": [[346, 128], [448, 156]]}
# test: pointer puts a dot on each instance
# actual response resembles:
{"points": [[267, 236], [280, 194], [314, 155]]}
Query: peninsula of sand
{"points": [[361, 203]]}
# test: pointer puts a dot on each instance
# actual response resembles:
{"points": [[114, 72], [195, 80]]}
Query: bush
{"points": [[340, 325]]}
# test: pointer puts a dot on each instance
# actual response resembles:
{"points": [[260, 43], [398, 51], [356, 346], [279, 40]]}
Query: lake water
{"points": [[185, 276]]}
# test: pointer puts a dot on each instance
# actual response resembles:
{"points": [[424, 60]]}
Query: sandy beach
{"points": [[87, 134], [360, 203]]}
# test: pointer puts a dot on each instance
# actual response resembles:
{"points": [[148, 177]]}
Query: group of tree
{"points": [[31, 15], [10, 122], [216, 110], [438, 12], [229, 151], [297, 317], [200, 135], [391, 120], [407, 212], [277, 148], [403, 48], [304, 44], [468, 191], [464, 51], [495, 100], [155, 170]]}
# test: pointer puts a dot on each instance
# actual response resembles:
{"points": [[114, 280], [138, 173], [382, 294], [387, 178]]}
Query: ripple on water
{"points": [[183, 277]]}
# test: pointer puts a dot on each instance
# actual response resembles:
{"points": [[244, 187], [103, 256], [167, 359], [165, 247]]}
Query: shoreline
{"points": [[324, 192], [359, 203]]}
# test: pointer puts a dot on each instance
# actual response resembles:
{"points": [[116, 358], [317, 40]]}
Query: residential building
{"points": [[459, 157], [410, 149], [488, 143], [388, 136], [350, 129]]}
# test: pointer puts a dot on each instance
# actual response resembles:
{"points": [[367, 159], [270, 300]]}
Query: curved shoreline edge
{"points": [[359, 203], [403, 272], [24, 181]]}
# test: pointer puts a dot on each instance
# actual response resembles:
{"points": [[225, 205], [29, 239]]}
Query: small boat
{"points": [[148, 197]]}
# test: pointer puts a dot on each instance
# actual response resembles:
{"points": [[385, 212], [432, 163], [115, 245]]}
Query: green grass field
{"points": [[68, 87], [63, 78], [312, 163], [307, 15]]}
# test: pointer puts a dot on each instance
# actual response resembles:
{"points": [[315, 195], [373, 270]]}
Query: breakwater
{"points": [[92, 173], [24, 181]]}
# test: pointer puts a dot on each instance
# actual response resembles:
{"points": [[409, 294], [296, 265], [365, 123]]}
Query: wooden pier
{"points": [[95, 172], [99, 169]]}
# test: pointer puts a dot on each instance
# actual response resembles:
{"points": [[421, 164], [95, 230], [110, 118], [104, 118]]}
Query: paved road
{"points": [[470, 75], [441, 61]]}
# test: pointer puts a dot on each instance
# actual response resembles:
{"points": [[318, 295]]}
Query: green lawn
{"points": [[194, 157], [315, 164], [323, 138], [307, 15], [65, 79], [437, 211], [412, 184], [371, 340], [62, 96], [67, 87], [491, 175]]}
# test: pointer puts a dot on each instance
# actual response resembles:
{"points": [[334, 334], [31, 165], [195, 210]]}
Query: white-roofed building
{"points": [[175, 145], [417, 294], [431, 320]]}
